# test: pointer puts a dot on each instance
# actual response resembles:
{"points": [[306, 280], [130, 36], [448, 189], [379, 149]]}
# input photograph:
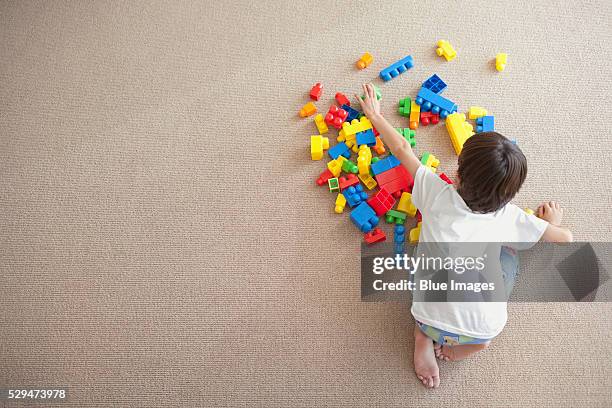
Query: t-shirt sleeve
{"points": [[527, 229], [427, 187]]}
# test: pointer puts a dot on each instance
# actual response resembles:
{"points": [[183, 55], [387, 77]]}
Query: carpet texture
{"points": [[162, 239]]}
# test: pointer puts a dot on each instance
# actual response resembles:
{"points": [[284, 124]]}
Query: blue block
{"points": [[364, 217], [485, 124], [399, 234], [399, 247], [355, 195], [435, 84], [397, 68], [341, 149], [385, 164], [430, 101], [366, 138], [352, 113]]}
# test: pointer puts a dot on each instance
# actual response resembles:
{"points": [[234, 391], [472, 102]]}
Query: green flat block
{"points": [[397, 217], [333, 184], [408, 134], [349, 167]]}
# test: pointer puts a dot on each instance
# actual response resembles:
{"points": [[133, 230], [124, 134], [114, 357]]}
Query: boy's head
{"points": [[491, 171]]}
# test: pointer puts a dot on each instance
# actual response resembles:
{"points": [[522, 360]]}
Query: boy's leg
{"points": [[425, 364], [456, 353]]}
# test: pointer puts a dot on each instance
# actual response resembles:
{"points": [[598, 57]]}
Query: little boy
{"points": [[491, 171]]}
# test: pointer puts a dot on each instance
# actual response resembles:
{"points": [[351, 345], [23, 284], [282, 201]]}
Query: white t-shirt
{"points": [[447, 218]]}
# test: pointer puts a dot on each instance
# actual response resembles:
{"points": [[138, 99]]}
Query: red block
{"points": [[347, 181], [374, 236], [323, 177], [316, 91], [381, 202], [428, 117], [335, 116], [445, 178], [396, 180], [342, 99], [419, 217]]}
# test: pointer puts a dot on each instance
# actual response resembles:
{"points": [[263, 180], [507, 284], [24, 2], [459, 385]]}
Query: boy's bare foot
{"points": [[425, 364], [456, 353]]}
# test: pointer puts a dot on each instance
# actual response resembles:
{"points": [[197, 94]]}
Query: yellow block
{"points": [[364, 159], [529, 211], [458, 130], [317, 145], [432, 163], [355, 127], [405, 205], [446, 50], [308, 109], [365, 60], [476, 112], [501, 60], [335, 166], [415, 111], [321, 125], [368, 180], [340, 203], [414, 234]]}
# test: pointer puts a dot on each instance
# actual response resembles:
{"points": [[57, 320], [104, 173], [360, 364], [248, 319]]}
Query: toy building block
{"points": [[340, 203], [323, 177], [341, 149], [368, 180], [333, 184], [381, 202], [379, 147], [364, 217], [476, 112], [317, 145], [529, 211], [396, 180], [365, 60], [352, 113], [407, 134], [485, 124], [404, 107], [321, 125], [446, 50], [376, 92], [356, 126], [415, 112], [414, 234], [405, 205], [429, 117], [355, 195], [347, 181], [364, 159], [430, 161], [308, 110], [374, 236], [435, 84], [419, 217], [385, 164], [445, 178], [399, 238], [316, 91], [335, 116], [395, 217], [349, 167], [501, 60], [429, 101], [342, 99], [397, 68], [335, 166], [458, 130], [366, 138]]}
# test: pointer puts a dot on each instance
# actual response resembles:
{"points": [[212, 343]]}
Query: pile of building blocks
{"points": [[363, 174]]}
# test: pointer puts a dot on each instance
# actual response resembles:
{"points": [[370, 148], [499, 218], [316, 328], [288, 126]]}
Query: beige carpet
{"points": [[162, 239]]}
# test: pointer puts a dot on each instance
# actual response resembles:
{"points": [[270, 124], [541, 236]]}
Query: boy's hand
{"points": [[551, 212], [370, 105]]}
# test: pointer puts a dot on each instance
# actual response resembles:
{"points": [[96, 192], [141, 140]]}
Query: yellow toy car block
{"points": [[340, 203], [368, 180], [321, 125], [365, 60], [405, 205], [413, 237], [458, 130], [355, 127], [317, 145], [476, 112], [308, 109], [501, 60], [335, 166], [415, 112], [446, 50], [364, 159]]}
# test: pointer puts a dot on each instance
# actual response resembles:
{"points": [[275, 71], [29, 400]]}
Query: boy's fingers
{"points": [[359, 101], [552, 204], [365, 91], [371, 89]]}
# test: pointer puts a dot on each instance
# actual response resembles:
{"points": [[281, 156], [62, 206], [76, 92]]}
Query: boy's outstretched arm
{"points": [[400, 148], [553, 213]]}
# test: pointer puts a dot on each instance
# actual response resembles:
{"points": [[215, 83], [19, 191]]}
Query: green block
{"points": [[425, 158], [349, 167], [397, 217], [375, 159], [376, 91], [333, 184], [404, 107], [407, 134]]}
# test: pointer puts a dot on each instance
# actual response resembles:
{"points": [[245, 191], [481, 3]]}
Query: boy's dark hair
{"points": [[491, 171]]}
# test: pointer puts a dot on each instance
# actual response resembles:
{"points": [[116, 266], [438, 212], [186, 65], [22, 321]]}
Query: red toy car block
{"points": [[374, 236], [316, 91], [335, 116], [323, 177], [342, 99], [347, 181], [396, 181], [445, 178], [428, 117], [381, 202]]}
